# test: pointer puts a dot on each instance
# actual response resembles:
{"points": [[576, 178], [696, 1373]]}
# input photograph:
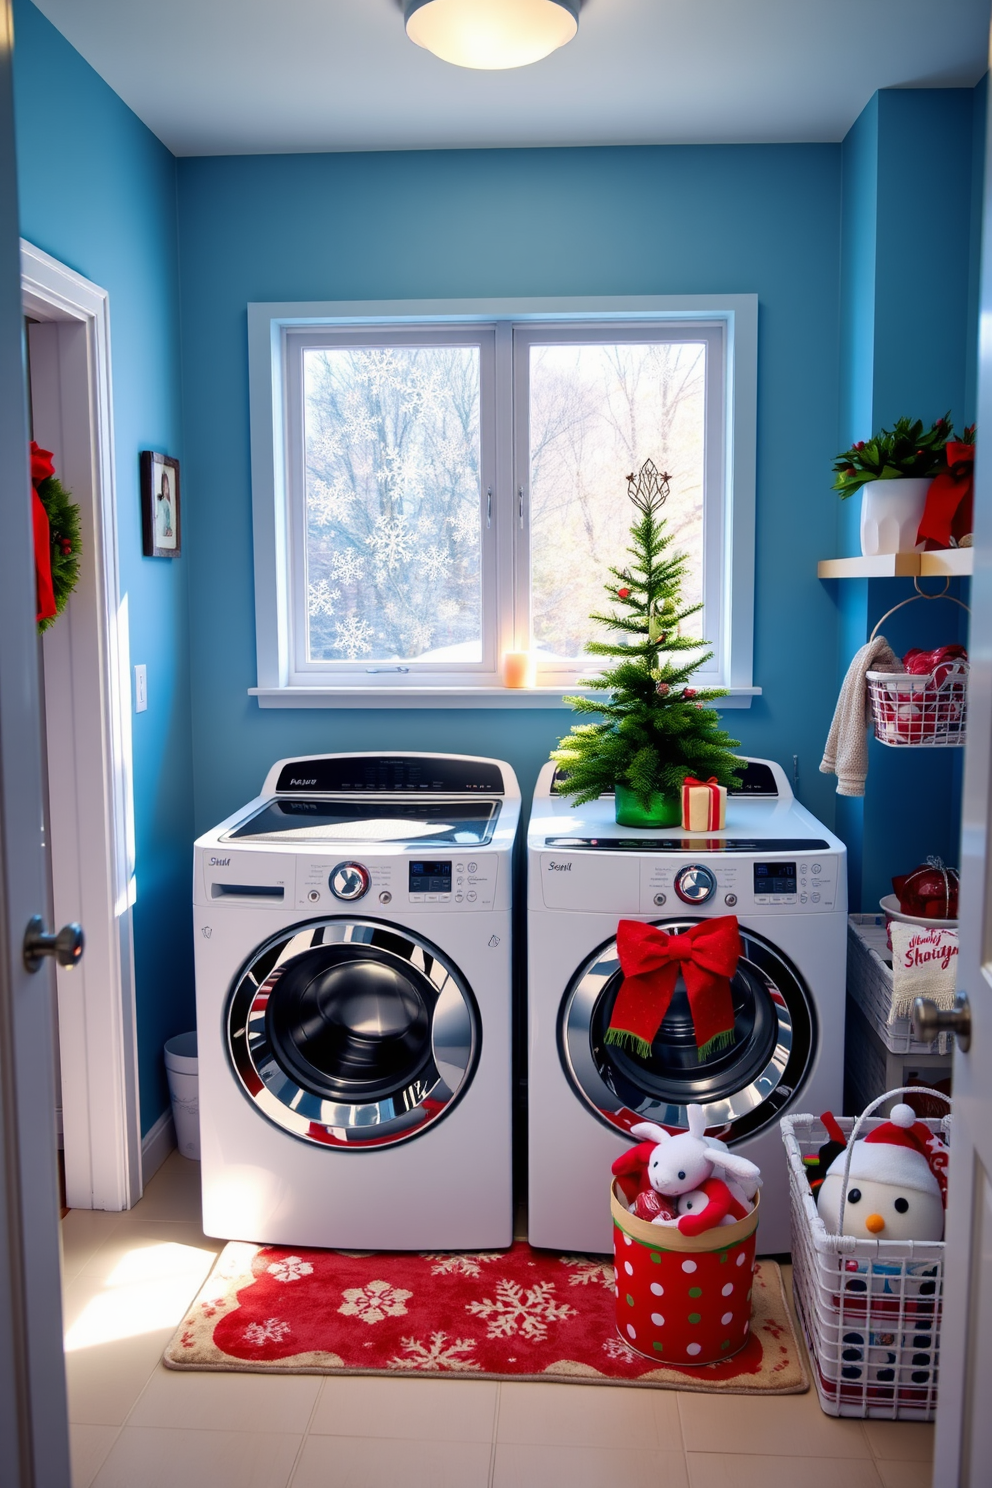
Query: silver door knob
{"points": [[929, 1020], [66, 946]]}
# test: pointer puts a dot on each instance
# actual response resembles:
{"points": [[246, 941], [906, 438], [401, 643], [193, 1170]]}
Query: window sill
{"points": [[445, 697]]}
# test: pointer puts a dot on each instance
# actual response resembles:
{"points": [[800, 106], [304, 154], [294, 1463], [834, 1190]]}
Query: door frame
{"points": [[88, 706]]}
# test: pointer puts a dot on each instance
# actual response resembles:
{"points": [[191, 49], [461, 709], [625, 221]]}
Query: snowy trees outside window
{"points": [[597, 412], [393, 515]]}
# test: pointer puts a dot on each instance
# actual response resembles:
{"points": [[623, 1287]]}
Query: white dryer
{"points": [[353, 989], [783, 874]]}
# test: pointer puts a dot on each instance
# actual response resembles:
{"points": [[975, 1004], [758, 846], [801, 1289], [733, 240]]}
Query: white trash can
{"points": [[181, 1067]]}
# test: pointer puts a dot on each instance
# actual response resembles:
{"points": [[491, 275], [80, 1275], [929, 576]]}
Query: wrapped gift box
{"points": [[704, 805]]}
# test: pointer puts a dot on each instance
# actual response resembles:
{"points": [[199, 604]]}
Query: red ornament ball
{"points": [[930, 891], [662, 689], [688, 692], [623, 593]]}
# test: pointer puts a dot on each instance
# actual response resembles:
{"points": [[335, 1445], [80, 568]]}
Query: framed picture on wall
{"points": [[160, 509]]}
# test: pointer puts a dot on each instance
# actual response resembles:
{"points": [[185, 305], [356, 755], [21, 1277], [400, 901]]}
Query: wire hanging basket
{"points": [[921, 712]]}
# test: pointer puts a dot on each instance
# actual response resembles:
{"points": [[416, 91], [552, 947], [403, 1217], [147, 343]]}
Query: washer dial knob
{"points": [[695, 884], [349, 881]]}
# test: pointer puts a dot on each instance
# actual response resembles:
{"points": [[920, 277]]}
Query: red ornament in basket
{"points": [[930, 892], [916, 715], [938, 663]]}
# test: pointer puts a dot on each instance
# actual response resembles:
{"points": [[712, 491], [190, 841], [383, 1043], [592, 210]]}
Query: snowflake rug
{"points": [[516, 1314]]}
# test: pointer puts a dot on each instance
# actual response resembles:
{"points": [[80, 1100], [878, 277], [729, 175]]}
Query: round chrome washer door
{"points": [[742, 1089], [352, 1034]]}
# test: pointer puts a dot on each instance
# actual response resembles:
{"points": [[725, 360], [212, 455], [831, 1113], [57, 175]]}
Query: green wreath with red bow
{"points": [[55, 520]]}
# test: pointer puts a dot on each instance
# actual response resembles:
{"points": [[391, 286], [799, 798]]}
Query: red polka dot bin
{"points": [[682, 1299]]}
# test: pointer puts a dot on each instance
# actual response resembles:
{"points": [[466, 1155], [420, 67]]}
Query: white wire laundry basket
{"points": [[921, 712], [870, 1309]]}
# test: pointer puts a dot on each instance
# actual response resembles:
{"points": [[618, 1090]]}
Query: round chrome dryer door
{"points": [[743, 1087], [352, 1034]]}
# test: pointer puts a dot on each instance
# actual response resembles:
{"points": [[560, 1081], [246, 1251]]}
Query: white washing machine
{"points": [[784, 875], [353, 993]]}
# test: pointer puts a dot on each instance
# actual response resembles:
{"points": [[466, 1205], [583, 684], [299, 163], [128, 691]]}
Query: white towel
{"points": [[924, 964], [846, 752]]}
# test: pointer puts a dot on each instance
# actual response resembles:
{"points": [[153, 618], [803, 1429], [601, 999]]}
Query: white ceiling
{"points": [[262, 76]]}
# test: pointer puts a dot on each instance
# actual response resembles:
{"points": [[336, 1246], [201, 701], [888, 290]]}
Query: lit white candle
{"points": [[519, 669]]}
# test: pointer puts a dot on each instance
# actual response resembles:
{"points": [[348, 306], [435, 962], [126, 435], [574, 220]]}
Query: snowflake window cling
{"points": [[391, 542], [328, 502], [348, 567], [321, 598], [435, 563], [353, 636], [466, 525]]}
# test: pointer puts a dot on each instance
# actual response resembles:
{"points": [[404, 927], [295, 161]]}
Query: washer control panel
{"points": [[468, 883], [464, 883], [695, 884], [349, 881]]}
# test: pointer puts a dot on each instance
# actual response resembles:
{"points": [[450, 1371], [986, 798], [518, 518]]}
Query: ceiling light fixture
{"points": [[491, 34]]}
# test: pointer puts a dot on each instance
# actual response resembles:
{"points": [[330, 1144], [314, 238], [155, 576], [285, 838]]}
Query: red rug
{"points": [[516, 1314]]}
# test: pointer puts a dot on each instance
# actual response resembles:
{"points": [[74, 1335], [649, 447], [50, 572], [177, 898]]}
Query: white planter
{"points": [[891, 512]]}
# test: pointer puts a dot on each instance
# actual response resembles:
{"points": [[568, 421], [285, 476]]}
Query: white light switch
{"points": [[140, 689]]}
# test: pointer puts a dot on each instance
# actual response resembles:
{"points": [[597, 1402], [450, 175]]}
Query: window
{"points": [[431, 491]]}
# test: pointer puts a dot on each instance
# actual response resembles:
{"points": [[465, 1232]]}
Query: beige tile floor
{"points": [[129, 1277]]}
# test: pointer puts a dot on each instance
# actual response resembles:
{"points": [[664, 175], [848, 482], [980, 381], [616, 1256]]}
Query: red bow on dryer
{"points": [[651, 959]]}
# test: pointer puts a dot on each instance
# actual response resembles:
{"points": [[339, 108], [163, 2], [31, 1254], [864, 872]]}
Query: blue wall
{"points": [[908, 346], [98, 191], [821, 233], [504, 223]]}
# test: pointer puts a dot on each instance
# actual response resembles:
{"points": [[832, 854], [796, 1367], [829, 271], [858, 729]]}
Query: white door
{"points": [[34, 1450], [963, 1451]]}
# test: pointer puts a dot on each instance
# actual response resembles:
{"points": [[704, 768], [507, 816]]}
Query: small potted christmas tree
{"points": [[655, 729]]}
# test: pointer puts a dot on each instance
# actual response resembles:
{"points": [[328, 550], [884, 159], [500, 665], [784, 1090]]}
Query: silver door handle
{"points": [[929, 1020], [66, 945]]}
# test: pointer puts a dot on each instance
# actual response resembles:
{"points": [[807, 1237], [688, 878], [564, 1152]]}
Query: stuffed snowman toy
{"points": [[893, 1189]]}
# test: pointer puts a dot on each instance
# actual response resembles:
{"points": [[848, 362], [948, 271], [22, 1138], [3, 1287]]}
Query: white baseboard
{"points": [[156, 1145]]}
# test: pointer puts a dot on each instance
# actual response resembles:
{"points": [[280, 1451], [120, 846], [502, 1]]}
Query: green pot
{"points": [[664, 809]]}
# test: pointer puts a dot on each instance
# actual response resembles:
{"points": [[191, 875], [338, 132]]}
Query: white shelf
{"points": [[942, 563]]}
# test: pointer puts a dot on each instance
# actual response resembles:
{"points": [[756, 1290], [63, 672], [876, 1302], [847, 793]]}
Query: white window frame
{"points": [[276, 334]]}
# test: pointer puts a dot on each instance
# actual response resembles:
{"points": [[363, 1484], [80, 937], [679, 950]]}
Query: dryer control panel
{"points": [[726, 885], [707, 883]]}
